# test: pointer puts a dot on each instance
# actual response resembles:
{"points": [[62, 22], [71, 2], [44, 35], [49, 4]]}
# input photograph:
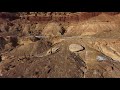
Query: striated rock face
{"points": [[62, 16], [52, 16]]}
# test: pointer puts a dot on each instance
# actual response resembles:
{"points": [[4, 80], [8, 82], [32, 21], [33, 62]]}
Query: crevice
{"points": [[49, 71], [62, 31]]}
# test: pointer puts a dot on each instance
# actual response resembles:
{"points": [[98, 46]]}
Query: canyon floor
{"points": [[88, 48]]}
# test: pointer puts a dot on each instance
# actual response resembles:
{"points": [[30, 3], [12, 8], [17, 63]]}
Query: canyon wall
{"points": [[51, 16]]}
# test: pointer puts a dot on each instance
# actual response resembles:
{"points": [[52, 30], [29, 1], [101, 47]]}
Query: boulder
{"points": [[76, 48]]}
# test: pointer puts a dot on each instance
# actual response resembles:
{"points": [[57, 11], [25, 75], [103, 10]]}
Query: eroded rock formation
{"points": [[60, 44]]}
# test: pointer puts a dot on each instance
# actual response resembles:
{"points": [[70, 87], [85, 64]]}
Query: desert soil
{"points": [[60, 45]]}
